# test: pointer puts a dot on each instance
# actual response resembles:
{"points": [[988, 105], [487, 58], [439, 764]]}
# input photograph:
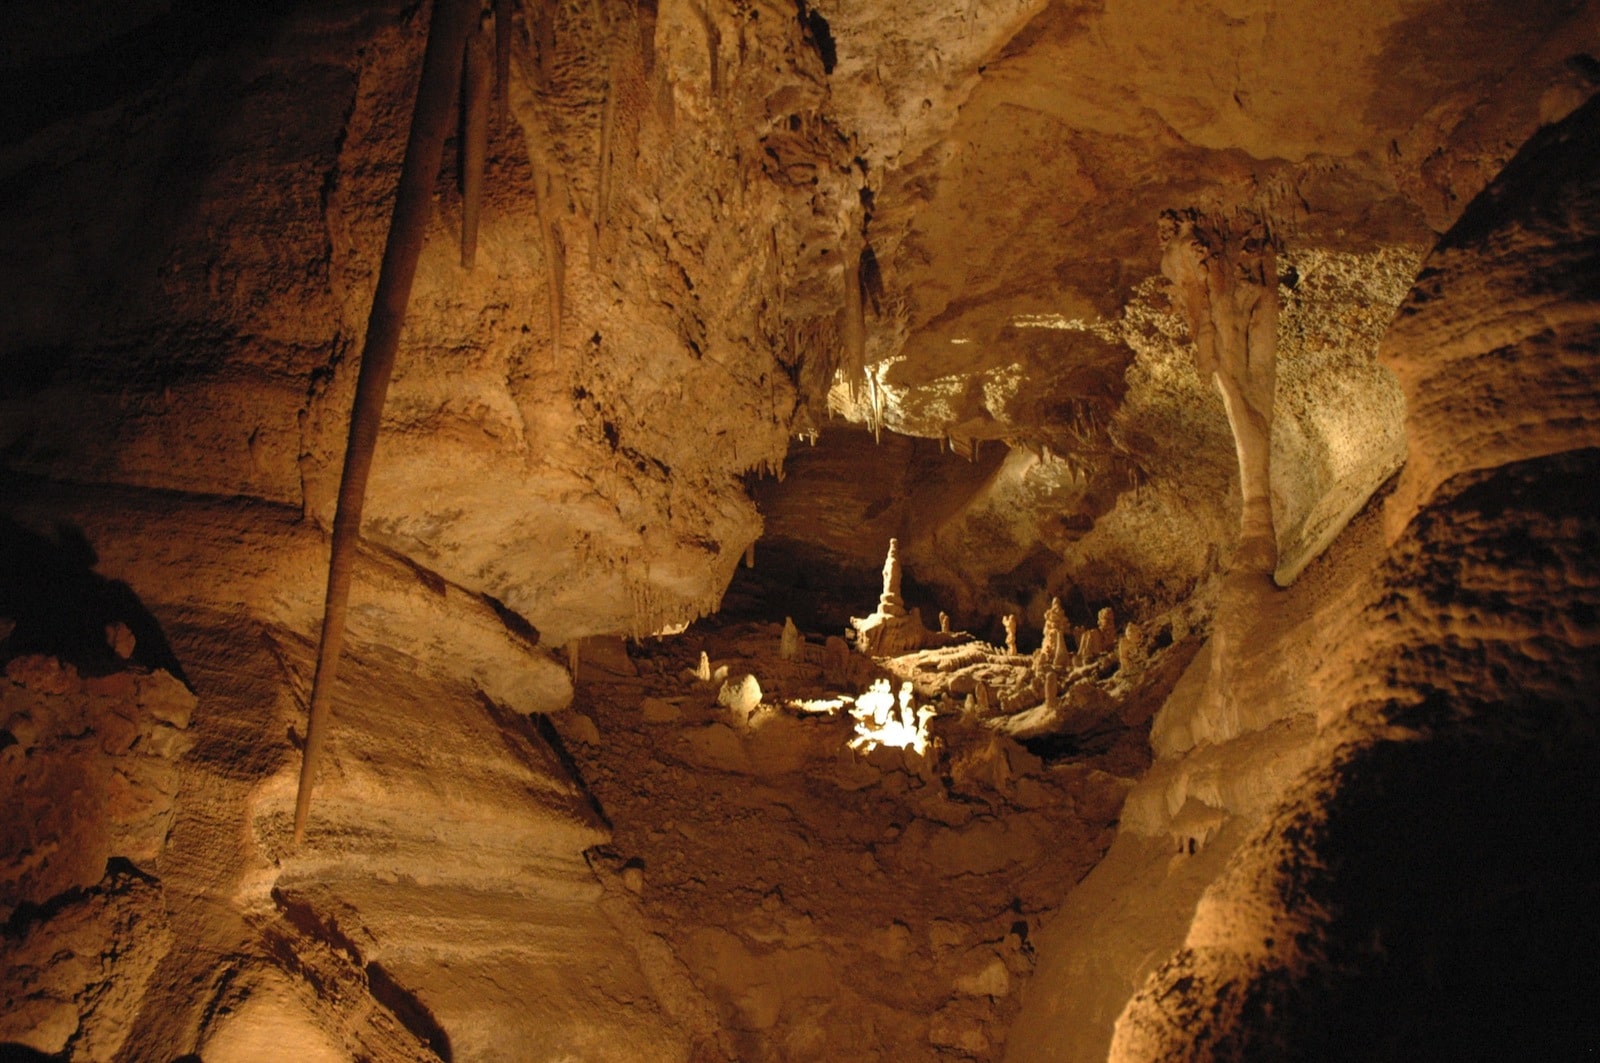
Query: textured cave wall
{"points": [[199, 196], [204, 236], [1020, 298], [1391, 851]]}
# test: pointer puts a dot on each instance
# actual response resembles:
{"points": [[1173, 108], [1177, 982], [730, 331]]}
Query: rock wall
{"points": [[442, 905], [1386, 850], [570, 420]]}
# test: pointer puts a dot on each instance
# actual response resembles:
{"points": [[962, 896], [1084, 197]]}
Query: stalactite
{"points": [[475, 87], [451, 23], [608, 129], [544, 36], [854, 332], [502, 58], [554, 257]]}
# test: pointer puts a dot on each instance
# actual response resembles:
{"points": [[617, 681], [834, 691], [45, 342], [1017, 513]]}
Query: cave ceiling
{"points": [[680, 195]]}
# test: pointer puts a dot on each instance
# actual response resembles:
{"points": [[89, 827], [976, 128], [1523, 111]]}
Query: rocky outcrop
{"points": [[1392, 841], [163, 909], [241, 249]]}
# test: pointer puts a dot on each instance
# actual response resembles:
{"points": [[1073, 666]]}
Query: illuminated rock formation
{"points": [[890, 630], [822, 275], [1362, 853]]}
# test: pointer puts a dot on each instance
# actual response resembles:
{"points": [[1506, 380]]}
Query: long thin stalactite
{"points": [[475, 92], [452, 21]]}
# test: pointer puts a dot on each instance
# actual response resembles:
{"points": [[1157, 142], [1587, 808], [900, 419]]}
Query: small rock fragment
{"points": [[120, 639]]}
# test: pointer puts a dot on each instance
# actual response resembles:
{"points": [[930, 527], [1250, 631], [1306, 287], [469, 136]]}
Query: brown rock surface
{"points": [[1392, 838], [712, 229]]}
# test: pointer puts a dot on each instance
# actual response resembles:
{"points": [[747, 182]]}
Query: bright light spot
{"points": [[1106, 330], [670, 629], [827, 706], [1048, 321], [878, 724], [960, 341]]}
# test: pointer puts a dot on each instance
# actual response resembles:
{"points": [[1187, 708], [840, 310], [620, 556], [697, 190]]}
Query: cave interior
{"points": [[728, 531]]}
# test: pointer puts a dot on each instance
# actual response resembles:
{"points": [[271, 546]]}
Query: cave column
{"points": [[1225, 270]]}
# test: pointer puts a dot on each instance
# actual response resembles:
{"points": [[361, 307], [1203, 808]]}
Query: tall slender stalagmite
{"points": [[430, 123], [475, 89]]}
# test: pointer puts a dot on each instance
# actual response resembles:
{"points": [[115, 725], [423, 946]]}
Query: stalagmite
{"points": [[790, 647], [572, 659], [835, 659], [1055, 626], [1009, 622], [890, 629], [1130, 649], [702, 672], [430, 123], [741, 698], [889, 601], [475, 88]]}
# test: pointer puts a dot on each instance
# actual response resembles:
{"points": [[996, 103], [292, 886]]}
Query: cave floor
{"points": [[826, 903]]}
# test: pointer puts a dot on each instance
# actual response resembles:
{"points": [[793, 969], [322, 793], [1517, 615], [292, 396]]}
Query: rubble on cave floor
{"points": [[871, 902]]}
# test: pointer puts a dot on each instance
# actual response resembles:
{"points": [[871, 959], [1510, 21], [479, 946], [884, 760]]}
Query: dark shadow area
{"points": [[62, 607], [818, 588], [36, 94], [1456, 861], [411, 1012], [538, 728], [1469, 909], [828, 523], [11, 1052], [121, 874]]}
